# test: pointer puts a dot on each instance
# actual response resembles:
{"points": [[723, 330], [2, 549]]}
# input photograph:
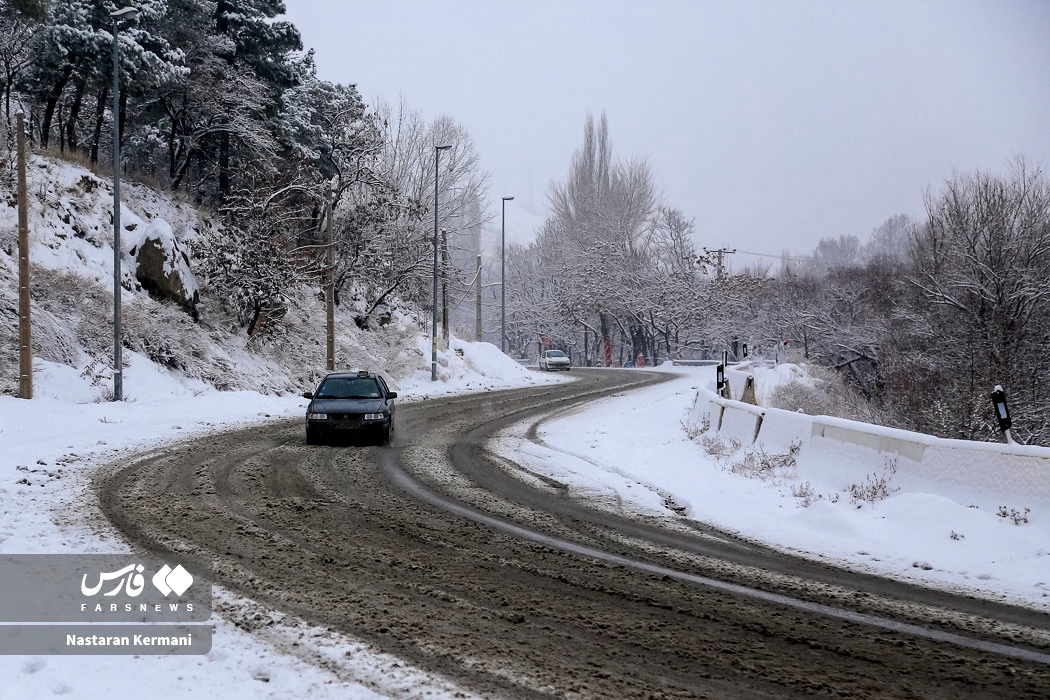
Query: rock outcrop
{"points": [[163, 268]]}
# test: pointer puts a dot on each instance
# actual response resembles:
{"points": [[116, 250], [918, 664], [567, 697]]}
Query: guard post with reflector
{"points": [[1002, 412]]}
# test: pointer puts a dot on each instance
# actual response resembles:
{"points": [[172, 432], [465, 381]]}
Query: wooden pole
{"points": [[25, 341], [329, 290]]}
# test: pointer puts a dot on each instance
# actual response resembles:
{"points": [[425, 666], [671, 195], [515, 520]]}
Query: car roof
{"points": [[351, 373], [359, 374]]}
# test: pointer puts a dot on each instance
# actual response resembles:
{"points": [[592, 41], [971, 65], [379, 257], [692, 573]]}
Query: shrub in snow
{"points": [[806, 494], [874, 488], [164, 334], [1014, 515], [822, 392], [54, 340], [8, 347], [759, 464], [718, 446], [694, 430], [69, 316], [248, 273]]}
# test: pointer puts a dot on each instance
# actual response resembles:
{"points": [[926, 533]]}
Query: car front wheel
{"points": [[312, 436]]}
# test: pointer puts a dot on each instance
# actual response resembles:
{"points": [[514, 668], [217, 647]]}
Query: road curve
{"points": [[438, 552]]}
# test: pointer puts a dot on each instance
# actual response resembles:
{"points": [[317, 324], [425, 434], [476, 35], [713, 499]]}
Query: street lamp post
{"points": [[118, 359], [434, 320], [503, 279]]}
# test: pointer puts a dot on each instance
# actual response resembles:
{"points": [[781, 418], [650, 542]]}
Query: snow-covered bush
{"points": [[875, 487], [69, 316], [756, 463], [822, 392], [165, 334]]}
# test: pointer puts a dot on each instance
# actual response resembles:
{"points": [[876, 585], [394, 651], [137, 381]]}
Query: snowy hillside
{"points": [[71, 238]]}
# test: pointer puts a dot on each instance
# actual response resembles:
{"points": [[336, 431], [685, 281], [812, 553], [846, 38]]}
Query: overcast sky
{"points": [[771, 124]]}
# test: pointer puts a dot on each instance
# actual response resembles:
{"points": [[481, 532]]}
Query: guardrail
{"points": [[1014, 471]]}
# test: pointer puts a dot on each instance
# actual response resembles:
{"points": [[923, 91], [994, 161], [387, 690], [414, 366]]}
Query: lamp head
{"points": [[125, 13], [507, 199], [442, 148]]}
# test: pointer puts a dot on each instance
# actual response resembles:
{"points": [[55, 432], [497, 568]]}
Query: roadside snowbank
{"points": [[837, 501]]}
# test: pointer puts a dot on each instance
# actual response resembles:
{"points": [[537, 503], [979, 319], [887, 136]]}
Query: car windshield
{"points": [[555, 353], [349, 388]]}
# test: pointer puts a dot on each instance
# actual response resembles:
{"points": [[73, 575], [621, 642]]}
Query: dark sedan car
{"points": [[349, 404]]}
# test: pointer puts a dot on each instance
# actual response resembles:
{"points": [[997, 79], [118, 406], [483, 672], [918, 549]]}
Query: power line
{"points": [[778, 257]]}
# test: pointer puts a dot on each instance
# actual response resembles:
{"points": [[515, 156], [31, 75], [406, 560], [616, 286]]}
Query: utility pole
{"points": [[25, 344], [444, 284], [434, 298], [719, 255], [477, 307], [503, 277], [329, 289]]}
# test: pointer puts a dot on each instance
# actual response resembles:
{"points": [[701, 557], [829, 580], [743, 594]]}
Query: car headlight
{"points": [[374, 416], [316, 416]]}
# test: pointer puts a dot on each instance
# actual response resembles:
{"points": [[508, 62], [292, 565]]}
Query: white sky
{"points": [[773, 124]]}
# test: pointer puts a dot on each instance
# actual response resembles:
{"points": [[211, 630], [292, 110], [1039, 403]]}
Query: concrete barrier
{"points": [[997, 470], [732, 419], [1015, 471], [740, 424], [883, 440], [782, 429]]}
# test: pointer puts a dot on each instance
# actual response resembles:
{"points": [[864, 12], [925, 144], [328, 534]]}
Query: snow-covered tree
{"points": [[982, 267], [71, 66], [21, 23], [616, 257]]}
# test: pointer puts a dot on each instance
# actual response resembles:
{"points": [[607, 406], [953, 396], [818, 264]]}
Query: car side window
{"points": [[383, 386]]}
